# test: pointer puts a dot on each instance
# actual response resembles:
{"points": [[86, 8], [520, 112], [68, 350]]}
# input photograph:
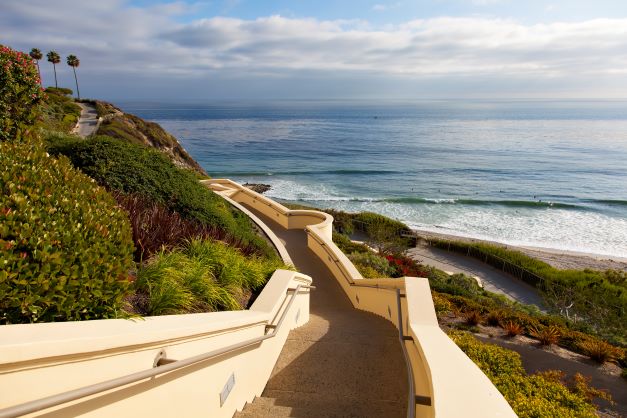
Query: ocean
{"points": [[545, 173]]}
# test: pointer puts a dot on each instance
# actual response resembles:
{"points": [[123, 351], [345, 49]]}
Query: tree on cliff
{"points": [[73, 61], [54, 58], [36, 55]]}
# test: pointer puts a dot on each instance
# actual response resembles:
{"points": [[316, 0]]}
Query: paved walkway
{"points": [[493, 279], [88, 120], [343, 363]]}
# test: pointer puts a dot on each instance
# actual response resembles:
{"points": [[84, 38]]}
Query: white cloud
{"points": [[382, 7], [486, 2], [113, 37]]}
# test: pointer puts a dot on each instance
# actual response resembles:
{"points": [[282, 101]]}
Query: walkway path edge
{"points": [[88, 120]]}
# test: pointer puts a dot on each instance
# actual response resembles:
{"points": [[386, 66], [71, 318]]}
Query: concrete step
{"points": [[315, 405], [264, 408]]}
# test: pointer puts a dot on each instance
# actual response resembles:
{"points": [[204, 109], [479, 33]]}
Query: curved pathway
{"points": [[88, 121], [493, 279], [343, 363]]}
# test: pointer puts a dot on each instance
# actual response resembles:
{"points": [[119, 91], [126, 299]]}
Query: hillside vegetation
{"points": [[132, 129], [107, 227]]}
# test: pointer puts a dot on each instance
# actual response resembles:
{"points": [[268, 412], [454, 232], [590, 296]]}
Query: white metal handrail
{"points": [[162, 366]]}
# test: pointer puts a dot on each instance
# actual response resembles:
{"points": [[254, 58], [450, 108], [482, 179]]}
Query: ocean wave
{"points": [[475, 202], [303, 173], [607, 202]]}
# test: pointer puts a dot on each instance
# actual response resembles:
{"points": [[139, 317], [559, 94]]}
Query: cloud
{"points": [[115, 38], [486, 2], [380, 7]]}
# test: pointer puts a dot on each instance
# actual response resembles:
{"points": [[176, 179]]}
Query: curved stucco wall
{"points": [[455, 386], [39, 360]]}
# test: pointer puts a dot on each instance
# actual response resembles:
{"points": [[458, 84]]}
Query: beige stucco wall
{"points": [[38, 360], [442, 372]]}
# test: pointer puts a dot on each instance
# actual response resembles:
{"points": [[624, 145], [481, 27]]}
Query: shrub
{"points": [[600, 351], [456, 284], [383, 233], [20, 93], [347, 246], [442, 305], [581, 385], [156, 227], [406, 266], [473, 317], [539, 395], [365, 221], [200, 276], [372, 261], [139, 170], [493, 360], [512, 328], [65, 247], [342, 221], [59, 111], [599, 298], [547, 335], [494, 318]]}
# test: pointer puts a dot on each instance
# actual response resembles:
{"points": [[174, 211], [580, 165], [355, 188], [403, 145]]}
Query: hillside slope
{"points": [[131, 128]]}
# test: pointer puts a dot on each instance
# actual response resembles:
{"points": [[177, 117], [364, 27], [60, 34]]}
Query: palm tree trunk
{"points": [[39, 72], [78, 92], [55, 76]]}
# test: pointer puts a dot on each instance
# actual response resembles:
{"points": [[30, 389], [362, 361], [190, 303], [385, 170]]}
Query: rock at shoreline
{"points": [[258, 187]]}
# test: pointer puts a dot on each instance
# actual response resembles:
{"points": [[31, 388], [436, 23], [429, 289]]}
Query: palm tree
{"points": [[36, 55], [73, 61], [54, 58]]}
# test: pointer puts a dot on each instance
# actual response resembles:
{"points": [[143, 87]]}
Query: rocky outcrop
{"points": [[258, 187]]}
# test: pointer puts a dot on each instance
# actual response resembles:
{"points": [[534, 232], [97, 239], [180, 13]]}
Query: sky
{"points": [[337, 50]]}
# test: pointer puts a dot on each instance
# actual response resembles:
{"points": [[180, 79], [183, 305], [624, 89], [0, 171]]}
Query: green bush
{"points": [[136, 169], [538, 395], [373, 265], [364, 221], [456, 284], [20, 93], [59, 112], [347, 246], [199, 277], [65, 247], [599, 298]]}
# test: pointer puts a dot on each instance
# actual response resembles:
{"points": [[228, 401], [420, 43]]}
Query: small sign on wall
{"points": [[228, 386]]}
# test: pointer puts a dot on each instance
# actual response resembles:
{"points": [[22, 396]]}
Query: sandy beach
{"points": [[557, 258]]}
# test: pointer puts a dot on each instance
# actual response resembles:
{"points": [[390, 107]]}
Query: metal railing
{"points": [[162, 365]]}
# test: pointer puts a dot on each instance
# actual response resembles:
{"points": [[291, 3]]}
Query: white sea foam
{"points": [[561, 229]]}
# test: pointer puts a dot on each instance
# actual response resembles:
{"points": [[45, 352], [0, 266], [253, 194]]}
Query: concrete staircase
{"points": [[343, 363]]}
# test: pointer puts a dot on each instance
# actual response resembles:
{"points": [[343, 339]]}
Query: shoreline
{"points": [[561, 259]]}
